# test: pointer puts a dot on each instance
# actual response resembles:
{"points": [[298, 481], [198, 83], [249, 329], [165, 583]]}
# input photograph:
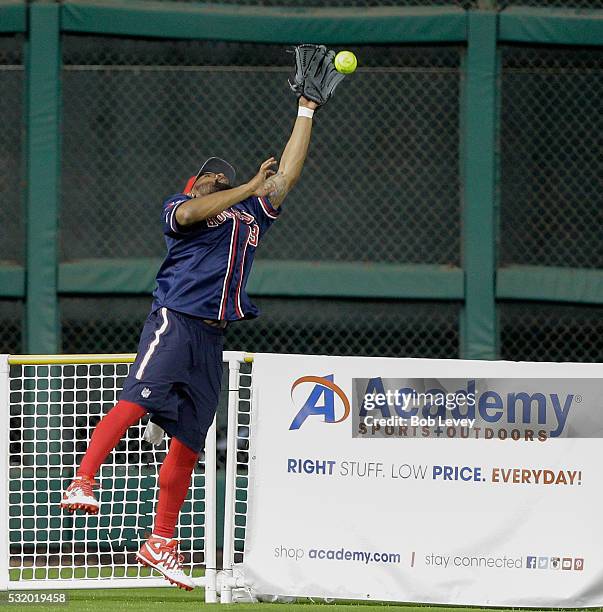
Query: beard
{"points": [[213, 187], [221, 186]]}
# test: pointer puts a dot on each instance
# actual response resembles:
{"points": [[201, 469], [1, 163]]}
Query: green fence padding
{"points": [[267, 24], [551, 26], [13, 16], [479, 186], [134, 275], [553, 284], [356, 280], [43, 178], [12, 281], [286, 278]]}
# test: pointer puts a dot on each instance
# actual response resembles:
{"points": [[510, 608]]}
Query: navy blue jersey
{"points": [[208, 263]]}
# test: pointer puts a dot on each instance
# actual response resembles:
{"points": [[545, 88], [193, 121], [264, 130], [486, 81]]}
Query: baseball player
{"points": [[212, 230]]}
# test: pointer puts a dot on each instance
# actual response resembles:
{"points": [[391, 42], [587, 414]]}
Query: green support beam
{"points": [[356, 280], [12, 281], [551, 26], [13, 16], [576, 285], [478, 155], [279, 278], [336, 25], [339, 280], [101, 276], [43, 75]]}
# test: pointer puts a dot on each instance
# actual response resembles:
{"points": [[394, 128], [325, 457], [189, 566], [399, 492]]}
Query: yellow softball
{"points": [[345, 62]]}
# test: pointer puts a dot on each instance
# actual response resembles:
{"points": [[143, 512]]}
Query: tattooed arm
{"points": [[279, 185]]}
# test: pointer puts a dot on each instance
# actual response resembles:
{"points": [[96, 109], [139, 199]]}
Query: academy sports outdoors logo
{"points": [[515, 409], [320, 401]]}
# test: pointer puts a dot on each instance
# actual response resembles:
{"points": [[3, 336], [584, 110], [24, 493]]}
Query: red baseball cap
{"points": [[216, 165]]}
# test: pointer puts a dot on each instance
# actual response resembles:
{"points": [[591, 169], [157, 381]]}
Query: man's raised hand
{"points": [[307, 103], [258, 182], [315, 75]]}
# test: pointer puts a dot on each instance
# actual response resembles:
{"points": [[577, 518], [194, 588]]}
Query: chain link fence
{"points": [[11, 326], [140, 116], [551, 196], [11, 181], [11, 143], [551, 332], [551, 161], [102, 324], [332, 327], [344, 327]]}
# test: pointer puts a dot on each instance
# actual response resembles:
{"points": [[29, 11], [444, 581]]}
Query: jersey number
{"points": [[254, 235]]}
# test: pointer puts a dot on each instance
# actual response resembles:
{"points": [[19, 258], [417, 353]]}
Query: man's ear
{"points": [[189, 185]]}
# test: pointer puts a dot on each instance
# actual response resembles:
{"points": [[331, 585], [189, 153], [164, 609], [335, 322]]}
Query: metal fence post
{"points": [[4, 473], [210, 515], [43, 98], [231, 478], [478, 155]]}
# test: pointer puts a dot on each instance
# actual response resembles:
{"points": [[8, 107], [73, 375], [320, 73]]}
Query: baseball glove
{"points": [[315, 75]]}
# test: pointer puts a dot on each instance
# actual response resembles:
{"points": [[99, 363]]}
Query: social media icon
{"points": [[566, 563], [531, 562], [579, 564], [543, 563], [555, 563]]}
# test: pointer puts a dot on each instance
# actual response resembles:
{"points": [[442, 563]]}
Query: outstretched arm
{"points": [[264, 183], [206, 206], [292, 161]]}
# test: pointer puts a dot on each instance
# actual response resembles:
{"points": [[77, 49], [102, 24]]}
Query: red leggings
{"points": [[175, 472]]}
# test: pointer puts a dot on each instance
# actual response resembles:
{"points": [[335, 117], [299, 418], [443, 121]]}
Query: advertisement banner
{"points": [[433, 481]]}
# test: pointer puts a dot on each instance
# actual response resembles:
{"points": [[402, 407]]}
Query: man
{"points": [[212, 230]]}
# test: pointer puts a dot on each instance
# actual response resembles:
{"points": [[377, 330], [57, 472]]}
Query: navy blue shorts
{"points": [[177, 375]]}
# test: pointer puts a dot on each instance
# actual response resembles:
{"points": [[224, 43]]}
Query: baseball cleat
{"points": [[162, 555], [79, 496]]}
